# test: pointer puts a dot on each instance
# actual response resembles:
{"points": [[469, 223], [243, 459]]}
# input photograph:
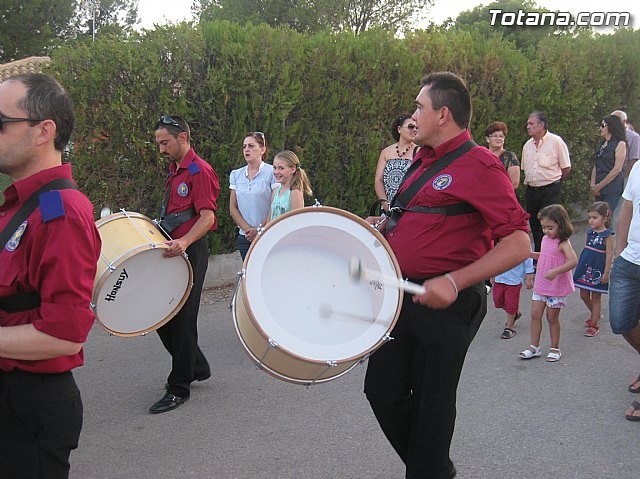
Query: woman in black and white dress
{"points": [[395, 159]]}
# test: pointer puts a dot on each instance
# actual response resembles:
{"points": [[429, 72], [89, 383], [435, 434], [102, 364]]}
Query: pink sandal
{"points": [[591, 330]]}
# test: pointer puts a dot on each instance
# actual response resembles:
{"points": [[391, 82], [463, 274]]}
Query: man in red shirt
{"points": [[188, 213], [47, 268], [411, 382]]}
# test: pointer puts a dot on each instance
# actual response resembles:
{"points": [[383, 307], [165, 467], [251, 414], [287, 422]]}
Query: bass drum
{"points": [[136, 289], [297, 311]]}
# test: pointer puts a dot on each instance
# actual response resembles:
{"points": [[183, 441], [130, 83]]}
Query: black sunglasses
{"points": [[8, 119], [168, 121]]}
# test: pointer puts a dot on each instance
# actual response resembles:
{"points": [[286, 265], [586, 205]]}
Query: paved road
{"points": [[516, 418]]}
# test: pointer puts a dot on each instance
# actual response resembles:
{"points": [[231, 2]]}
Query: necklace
{"points": [[401, 155]]}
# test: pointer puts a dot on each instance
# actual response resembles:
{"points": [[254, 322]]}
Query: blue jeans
{"points": [[624, 296], [243, 245]]}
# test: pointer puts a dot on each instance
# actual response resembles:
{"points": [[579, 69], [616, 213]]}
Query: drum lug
{"points": [[387, 337], [330, 364], [317, 204]]}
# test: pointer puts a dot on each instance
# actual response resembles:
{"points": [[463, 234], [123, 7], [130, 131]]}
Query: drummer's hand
{"points": [[176, 247], [372, 220], [440, 293]]}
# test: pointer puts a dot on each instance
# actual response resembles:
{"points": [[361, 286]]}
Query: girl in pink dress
{"points": [[553, 281]]}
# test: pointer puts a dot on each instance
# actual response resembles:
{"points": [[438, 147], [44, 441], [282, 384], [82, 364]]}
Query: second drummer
{"points": [[187, 214]]}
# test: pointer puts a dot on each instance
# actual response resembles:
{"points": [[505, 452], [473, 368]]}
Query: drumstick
{"points": [[358, 272], [326, 311]]}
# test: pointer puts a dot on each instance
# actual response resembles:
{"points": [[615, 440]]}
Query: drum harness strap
{"points": [[171, 221], [400, 200], [25, 301]]}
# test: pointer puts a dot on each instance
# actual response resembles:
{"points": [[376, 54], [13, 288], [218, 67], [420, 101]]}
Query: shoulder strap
{"points": [[401, 200], [30, 205]]}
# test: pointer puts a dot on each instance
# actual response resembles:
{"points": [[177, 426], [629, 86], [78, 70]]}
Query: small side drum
{"points": [[297, 311], [136, 289]]}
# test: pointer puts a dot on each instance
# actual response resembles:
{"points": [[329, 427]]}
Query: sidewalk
{"points": [[516, 418]]}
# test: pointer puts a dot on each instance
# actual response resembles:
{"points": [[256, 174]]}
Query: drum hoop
{"points": [[262, 366], [122, 214], [349, 215], [129, 254]]}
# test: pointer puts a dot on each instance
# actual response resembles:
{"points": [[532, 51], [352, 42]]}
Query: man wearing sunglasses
{"points": [[187, 215], [49, 253]]}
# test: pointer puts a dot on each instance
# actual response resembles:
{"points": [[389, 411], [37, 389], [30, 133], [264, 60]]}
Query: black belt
{"points": [[20, 302], [536, 188]]}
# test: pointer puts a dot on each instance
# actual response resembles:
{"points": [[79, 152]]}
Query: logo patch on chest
{"points": [[183, 189], [14, 241], [442, 182]]}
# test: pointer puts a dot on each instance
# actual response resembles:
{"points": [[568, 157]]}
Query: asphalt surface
{"points": [[516, 418]]}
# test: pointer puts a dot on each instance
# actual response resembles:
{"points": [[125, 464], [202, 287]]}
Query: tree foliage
{"points": [[328, 97], [316, 15], [32, 27], [524, 37]]}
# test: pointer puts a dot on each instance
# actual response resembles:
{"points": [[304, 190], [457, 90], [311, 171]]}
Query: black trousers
{"points": [[412, 380], [536, 199], [180, 335], [40, 423]]}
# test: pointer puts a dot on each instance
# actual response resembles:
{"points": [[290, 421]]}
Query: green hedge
{"points": [[328, 97]]}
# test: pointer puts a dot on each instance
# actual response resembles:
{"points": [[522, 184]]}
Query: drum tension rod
{"points": [[271, 344], [330, 364]]}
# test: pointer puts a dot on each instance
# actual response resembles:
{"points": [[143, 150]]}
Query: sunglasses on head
{"points": [[261, 135], [8, 119], [168, 121]]}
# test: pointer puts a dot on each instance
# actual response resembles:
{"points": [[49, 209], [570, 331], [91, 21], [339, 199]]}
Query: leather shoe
{"points": [[167, 403]]}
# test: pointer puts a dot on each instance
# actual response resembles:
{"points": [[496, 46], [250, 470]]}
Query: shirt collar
{"points": [[246, 169], [26, 187], [186, 161], [444, 148]]}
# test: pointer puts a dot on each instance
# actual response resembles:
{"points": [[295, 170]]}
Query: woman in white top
{"points": [[251, 188]]}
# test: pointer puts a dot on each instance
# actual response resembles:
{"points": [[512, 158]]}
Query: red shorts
{"points": [[507, 297]]}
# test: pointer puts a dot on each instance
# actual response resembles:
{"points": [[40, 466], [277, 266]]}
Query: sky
{"points": [[163, 11]]}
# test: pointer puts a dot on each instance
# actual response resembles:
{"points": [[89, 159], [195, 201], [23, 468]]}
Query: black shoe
{"points": [[167, 403]]}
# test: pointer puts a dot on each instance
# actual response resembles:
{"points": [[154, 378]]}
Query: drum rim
{"points": [[122, 214], [376, 233], [283, 377]]}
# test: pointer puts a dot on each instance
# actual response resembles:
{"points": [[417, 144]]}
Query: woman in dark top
{"points": [[607, 181], [495, 134]]}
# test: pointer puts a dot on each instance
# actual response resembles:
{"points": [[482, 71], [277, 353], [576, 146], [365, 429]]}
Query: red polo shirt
{"points": [[194, 185], [57, 259], [428, 245]]}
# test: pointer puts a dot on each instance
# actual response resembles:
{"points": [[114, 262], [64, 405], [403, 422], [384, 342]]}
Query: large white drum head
{"points": [[143, 292], [299, 291]]}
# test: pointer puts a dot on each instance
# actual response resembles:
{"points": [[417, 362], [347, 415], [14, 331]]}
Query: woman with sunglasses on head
{"points": [[495, 134], [395, 159], [251, 188], [607, 180]]}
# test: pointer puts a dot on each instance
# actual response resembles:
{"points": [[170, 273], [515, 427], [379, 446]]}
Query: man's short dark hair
{"points": [[166, 123], [46, 99], [448, 89]]}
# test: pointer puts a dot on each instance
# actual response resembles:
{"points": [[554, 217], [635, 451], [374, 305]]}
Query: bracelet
{"points": [[453, 283]]}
